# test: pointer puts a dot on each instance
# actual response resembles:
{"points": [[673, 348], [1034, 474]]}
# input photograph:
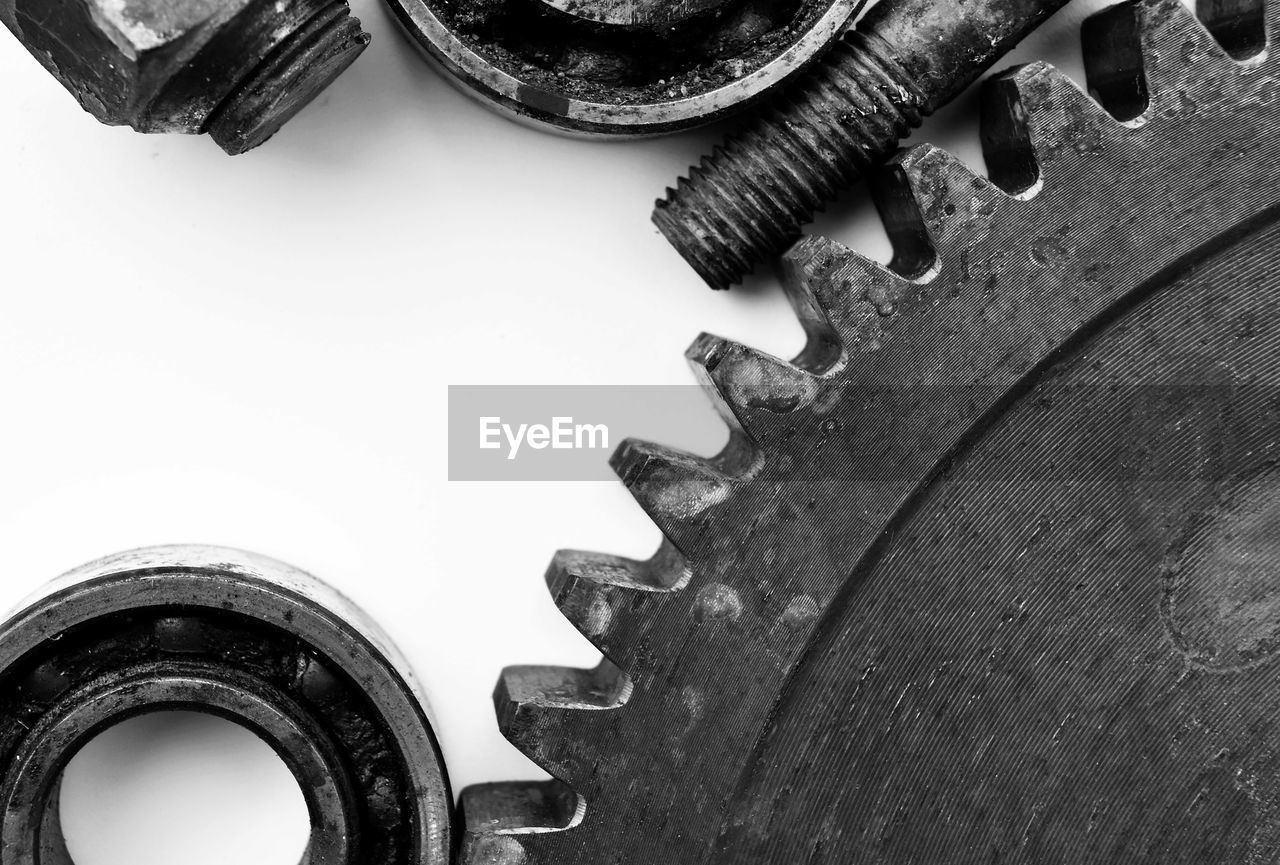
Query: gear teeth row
{"points": [[937, 211], [549, 713], [611, 599], [1141, 57], [676, 489], [935, 208]]}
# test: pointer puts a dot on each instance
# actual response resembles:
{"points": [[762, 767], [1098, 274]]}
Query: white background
{"points": [[255, 352]]}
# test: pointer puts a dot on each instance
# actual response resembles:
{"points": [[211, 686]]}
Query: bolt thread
{"points": [[301, 64], [749, 199]]}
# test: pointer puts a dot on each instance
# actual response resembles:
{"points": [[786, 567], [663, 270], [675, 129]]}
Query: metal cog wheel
{"points": [[991, 571]]}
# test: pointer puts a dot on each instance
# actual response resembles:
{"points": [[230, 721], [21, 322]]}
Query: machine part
{"points": [[238, 636], [236, 69], [989, 572], [623, 67], [748, 201]]}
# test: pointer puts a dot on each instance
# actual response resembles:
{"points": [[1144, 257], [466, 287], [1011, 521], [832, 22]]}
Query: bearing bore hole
{"points": [[182, 787]]}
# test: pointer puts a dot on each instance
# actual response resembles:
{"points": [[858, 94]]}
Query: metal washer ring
{"points": [[238, 636]]}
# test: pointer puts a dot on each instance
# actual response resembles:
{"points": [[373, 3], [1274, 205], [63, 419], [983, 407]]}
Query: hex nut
{"points": [[236, 69]]}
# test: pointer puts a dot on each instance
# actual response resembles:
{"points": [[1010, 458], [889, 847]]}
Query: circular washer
{"points": [[242, 637], [626, 68]]}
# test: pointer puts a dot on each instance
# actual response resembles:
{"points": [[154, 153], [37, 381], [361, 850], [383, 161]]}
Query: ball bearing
{"points": [[241, 637]]}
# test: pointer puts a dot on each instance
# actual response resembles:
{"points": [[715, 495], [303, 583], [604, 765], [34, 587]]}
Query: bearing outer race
{"points": [[472, 73]]}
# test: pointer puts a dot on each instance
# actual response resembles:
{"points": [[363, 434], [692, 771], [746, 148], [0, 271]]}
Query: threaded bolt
{"points": [[749, 199]]}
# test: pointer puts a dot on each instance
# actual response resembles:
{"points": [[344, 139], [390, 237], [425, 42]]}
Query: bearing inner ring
{"points": [[242, 638]]}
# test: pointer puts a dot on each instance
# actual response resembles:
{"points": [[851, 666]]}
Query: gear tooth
{"points": [[516, 807], [606, 597], [532, 847], [510, 823], [563, 688], [809, 258], [1176, 41], [841, 298], [548, 713], [902, 211], [753, 391], [938, 202], [674, 487], [1037, 123], [492, 848]]}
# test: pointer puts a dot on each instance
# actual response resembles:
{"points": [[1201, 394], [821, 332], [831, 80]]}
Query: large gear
{"points": [[990, 572]]}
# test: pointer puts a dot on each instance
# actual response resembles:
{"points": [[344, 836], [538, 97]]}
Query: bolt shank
{"points": [[945, 47]]}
